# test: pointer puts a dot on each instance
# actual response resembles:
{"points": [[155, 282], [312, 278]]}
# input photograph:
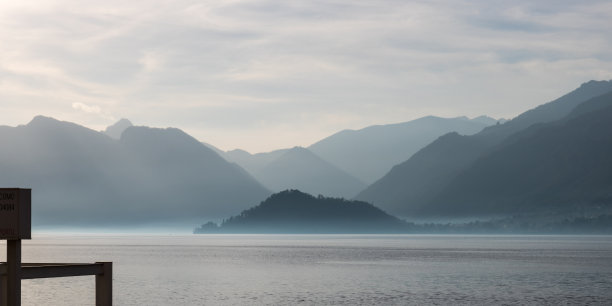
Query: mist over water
{"points": [[328, 269]]}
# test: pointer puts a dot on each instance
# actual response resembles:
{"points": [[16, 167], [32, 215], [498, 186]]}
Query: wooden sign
{"points": [[15, 213]]}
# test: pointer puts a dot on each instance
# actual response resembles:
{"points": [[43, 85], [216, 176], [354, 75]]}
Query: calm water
{"points": [[329, 270]]}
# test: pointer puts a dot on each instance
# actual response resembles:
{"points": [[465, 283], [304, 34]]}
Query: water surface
{"points": [[328, 269]]}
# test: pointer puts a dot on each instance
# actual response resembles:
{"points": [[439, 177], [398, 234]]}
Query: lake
{"points": [[328, 269]]}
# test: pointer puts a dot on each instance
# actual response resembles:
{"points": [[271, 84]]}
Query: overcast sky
{"points": [[262, 75]]}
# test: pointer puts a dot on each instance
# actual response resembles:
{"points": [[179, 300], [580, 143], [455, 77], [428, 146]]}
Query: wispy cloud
{"points": [[87, 108], [221, 65]]}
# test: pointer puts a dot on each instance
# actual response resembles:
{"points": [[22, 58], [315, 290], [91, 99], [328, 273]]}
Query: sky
{"points": [[263, 75]]}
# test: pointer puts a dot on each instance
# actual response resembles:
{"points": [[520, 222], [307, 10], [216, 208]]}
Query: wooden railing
{"points": [[102, 270], [13, 271]]}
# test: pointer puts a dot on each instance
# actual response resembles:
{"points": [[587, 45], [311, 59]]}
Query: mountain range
{"points": [[553, 160], [539, 161], [562, 166], [82, 177], [370, 153], [300, 168], [253, 163], [343, 164]]}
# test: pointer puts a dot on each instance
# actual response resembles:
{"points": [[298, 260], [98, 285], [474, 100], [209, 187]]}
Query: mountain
{"points": [[253, 163], [217, 150], [80, 177], [564, 166], [486, 120], [410, 186], [115, 130], [371, 152], [298, 168], [292, 211]]}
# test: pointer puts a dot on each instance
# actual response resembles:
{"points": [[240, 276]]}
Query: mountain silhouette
{"points": [[293, 211], [253, 163], [410, 186], [369, 153], [83, 177], [217, 150], [115, 130], [563, 166], [298, 168]]}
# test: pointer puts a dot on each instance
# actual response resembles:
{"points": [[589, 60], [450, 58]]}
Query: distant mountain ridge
{"points": [[554, 167], [553, 159], [410, 187], [298, 168], [115, 130], [86, 178], [371, 152], [253, 162]]}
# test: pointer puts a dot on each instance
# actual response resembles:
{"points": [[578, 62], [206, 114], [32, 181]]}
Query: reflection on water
{"points": [[328, 269]]}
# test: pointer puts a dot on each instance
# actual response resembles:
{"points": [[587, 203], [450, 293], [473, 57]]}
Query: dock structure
{"points": [[15, 225]]}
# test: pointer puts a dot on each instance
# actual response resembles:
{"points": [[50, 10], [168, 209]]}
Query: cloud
{"points": [[87, 108], [205, 65], [150, 61]]}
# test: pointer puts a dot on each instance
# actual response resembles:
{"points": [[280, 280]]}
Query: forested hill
{"points": [[293, 211]]}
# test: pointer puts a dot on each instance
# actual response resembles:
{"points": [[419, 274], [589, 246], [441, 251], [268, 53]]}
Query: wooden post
{"points": [[13, 272], [104, 285], [3, 289]]}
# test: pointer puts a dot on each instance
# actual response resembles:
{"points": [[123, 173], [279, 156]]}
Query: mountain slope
{"points": [[298, 168], [191, 170], [83, 177], [115, 130], [412, 184], [562, 166], [253, 163], [369, 153]]}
